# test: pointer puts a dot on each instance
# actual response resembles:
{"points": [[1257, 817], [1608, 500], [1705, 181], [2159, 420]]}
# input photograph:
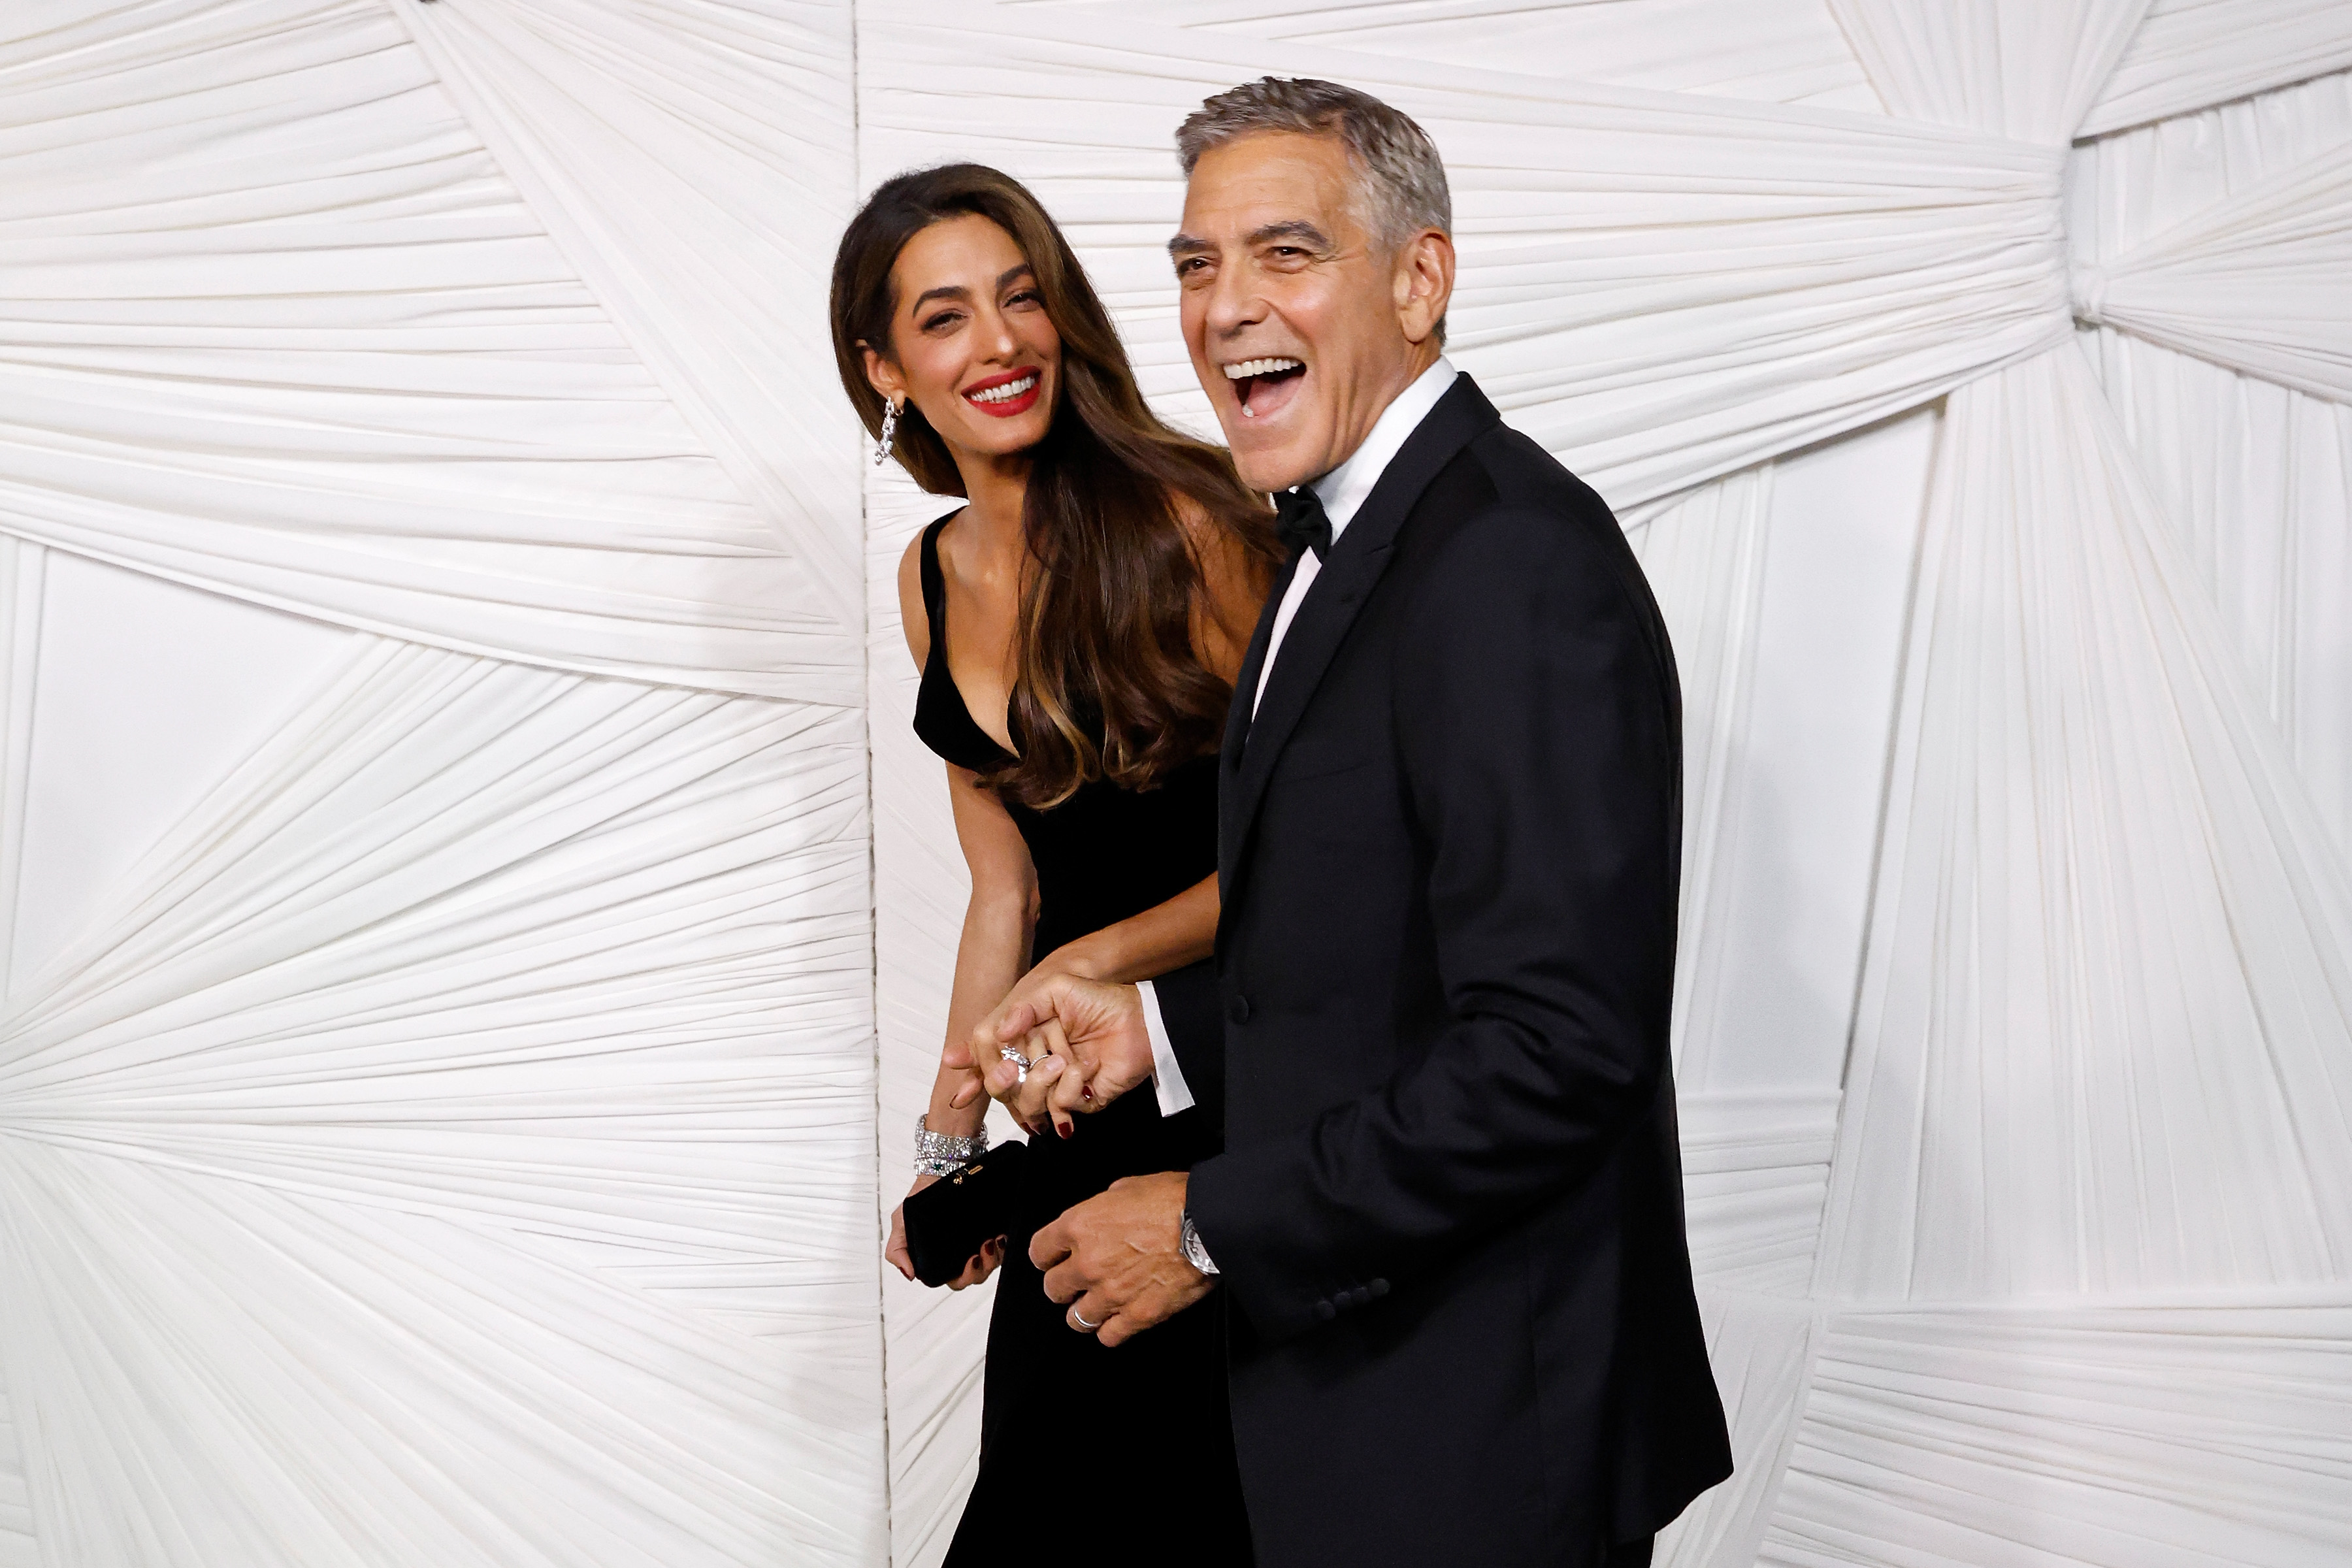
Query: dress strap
{"points": [[935, 583]]}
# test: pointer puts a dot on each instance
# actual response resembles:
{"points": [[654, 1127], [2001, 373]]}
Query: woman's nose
{"points": [[1002, 341]]}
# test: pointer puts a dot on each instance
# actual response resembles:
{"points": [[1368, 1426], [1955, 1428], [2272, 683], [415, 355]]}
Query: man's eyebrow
{"points": [[1296, 229]]}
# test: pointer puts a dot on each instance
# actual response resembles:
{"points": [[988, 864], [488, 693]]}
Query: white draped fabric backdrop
{"points": [[475, 924]]}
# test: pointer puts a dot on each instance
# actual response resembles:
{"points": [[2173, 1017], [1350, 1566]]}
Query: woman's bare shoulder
{"points": [[913, 619]]}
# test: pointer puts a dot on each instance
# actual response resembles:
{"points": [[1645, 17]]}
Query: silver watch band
{"points": [[1196, 1252]]}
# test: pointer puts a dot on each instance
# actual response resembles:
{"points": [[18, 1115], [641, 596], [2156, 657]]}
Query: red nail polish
{"points": [[1087, 1091], [1065, 1132]]}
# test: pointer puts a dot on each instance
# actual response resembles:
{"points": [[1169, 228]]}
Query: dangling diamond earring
{"points": [[889, 434]]}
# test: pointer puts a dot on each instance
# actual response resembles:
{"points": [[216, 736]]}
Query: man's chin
{"points": [[1270, 466]]}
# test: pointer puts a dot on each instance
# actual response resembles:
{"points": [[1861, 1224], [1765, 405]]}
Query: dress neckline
{"points": [[940, 702]]}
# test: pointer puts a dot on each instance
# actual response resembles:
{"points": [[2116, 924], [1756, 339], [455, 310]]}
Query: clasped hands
{"points": [[1058, 1046], [1116, 1261]]}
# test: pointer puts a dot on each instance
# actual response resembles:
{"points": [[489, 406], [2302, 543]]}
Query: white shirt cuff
{"points": [[1167, 1073]]}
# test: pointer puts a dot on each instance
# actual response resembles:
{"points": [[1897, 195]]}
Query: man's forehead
{"points": [[1270, 178]]}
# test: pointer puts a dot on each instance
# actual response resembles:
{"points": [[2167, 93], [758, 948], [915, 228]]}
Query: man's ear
{"points": [[1423, 283], [882, 375]]}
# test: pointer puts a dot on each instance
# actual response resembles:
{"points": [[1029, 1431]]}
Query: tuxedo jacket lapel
{"points": [[1238, 717], [1354, 565]]}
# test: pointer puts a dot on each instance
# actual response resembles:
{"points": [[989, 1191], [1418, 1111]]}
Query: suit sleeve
{"points": [[1537, 728], [1195, 1015]]}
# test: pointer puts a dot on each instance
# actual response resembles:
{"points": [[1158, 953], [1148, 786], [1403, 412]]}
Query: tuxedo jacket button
{"points": [[1238, 1010], [1325, 1311]]}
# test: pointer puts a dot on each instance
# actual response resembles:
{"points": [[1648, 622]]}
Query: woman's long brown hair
{"points": [[1105, 625]]}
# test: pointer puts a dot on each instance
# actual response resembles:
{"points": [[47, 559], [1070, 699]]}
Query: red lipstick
{"points": [[1006, 407]]}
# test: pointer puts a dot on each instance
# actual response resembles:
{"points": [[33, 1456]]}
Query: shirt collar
{"points": [[1343, 490]]}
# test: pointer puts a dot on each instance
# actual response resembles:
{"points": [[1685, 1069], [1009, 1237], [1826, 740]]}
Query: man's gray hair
{"points": [[1401, 180]]}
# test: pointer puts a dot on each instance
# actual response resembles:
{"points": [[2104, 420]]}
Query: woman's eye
{"points": [[1026, 297], [944, 319]]}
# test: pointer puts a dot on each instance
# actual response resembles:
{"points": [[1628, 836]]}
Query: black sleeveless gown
{"points": [[1091, 1454]]}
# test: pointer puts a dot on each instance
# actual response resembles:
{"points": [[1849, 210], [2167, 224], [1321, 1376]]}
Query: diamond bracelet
{"points": [[944, 1153]]}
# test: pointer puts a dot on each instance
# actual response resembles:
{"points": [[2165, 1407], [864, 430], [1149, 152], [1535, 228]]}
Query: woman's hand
{"points": [[983, 1262], [1072, 959]]}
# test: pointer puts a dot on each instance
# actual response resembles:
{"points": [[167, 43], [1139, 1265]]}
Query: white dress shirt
{"points": [[1342, 491]]}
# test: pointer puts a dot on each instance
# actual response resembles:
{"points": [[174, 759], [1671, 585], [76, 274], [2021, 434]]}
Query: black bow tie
{"points": [[1300, 524]]}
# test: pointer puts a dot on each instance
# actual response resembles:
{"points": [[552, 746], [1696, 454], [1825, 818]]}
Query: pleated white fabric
{"points": [[2162, 1435], [1761, 1349], [694, 160], [281, 329], [2255, 478], [2106, 1037], [1789, 52], [453, 1145], [1660, 288], [2023, 68], [2193, 54], [1755, 1164], [2255, 282], [18, 1546], [1703, 556]]}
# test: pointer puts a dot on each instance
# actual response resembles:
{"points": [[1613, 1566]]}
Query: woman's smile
{"points": [[1006, 394]]}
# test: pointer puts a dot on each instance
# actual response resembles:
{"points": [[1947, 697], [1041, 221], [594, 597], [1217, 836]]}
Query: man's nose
{"points": [[1234, 303]]}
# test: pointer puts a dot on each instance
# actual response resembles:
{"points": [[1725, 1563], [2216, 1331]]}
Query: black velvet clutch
{"points": [[947, 1221]]}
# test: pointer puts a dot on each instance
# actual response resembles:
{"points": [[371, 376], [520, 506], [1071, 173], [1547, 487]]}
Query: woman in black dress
{"points": [[1079, 624]]}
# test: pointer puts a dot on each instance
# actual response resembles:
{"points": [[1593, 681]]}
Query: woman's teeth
{"points": [[1010, 389], [1250, 367]]}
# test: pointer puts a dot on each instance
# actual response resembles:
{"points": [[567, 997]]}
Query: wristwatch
{"points": [[1195, 1252]]}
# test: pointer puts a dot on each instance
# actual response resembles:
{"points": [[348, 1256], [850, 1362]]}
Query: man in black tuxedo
{"points": [[1447, 1220]]}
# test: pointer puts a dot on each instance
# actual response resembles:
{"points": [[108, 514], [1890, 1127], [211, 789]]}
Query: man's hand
{"points": [[1086, 1040], [1117, 1260]]}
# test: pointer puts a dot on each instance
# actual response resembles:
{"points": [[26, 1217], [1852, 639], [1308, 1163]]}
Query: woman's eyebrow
{"points": [[958, 291]]}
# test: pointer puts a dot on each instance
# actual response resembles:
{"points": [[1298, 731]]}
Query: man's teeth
{"points": [[1008, 390], [1250, 367]]}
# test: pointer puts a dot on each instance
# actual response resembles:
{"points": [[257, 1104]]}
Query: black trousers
{"points": [[1627, 1555]]}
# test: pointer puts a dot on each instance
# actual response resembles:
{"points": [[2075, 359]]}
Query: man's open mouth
{"points": [[1264, 385]]}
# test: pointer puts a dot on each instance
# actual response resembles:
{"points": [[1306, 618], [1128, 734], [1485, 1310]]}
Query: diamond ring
{"points": [[1021, 1063]]}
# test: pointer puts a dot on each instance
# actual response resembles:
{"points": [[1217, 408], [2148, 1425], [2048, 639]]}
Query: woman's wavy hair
{"points": [[1107, 618]]}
